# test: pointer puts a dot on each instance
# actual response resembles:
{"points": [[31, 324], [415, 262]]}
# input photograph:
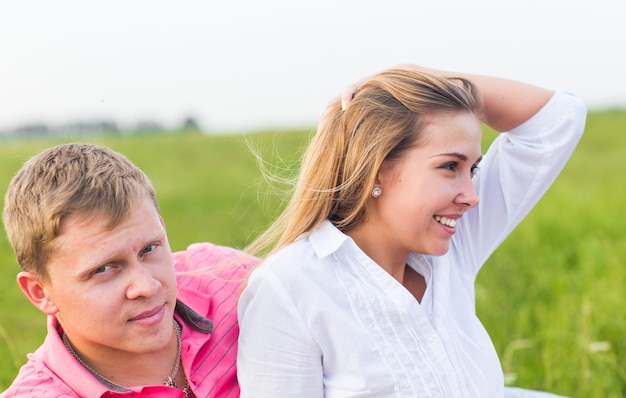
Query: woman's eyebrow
{"points": [[459, 156]]}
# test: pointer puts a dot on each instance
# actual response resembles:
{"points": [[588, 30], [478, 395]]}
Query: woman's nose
{"points": [[468, 196]]}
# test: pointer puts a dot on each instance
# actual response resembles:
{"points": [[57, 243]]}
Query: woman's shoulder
{"points": [[296, 255]]}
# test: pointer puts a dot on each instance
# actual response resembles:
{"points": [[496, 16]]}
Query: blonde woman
{"points": [[368, 290]]}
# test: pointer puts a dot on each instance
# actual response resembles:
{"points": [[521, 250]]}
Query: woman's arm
{"points": [[276, 355], [507, 103]]}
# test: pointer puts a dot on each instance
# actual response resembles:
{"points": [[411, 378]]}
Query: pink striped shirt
{"points": [[209, 280]]}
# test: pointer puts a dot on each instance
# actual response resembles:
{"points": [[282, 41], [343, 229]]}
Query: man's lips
{"points": [[149, 315]]}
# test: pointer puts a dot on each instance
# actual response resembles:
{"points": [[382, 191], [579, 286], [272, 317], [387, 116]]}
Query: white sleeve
{"points": [[516, 171], [276, 355]]}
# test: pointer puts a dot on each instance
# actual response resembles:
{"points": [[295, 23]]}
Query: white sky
{"points": [[248, 64]]}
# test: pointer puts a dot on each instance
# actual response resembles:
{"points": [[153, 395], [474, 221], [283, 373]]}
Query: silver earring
{"points": [[376, 192]]}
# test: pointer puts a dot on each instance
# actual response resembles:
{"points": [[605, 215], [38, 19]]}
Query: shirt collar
{"points": [[327, 239], [57, 357], [63, 363], [192, 339]]}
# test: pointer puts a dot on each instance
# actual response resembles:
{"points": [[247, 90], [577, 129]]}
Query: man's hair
{"points": [[69, 179]]}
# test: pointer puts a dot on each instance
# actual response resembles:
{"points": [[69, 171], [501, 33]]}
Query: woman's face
{"points": [[425, 191]]}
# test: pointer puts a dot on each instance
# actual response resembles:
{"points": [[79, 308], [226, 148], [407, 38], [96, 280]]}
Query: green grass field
{"points": [[551, 296]]}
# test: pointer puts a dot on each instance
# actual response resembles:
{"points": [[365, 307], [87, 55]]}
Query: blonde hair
{"points": [[385, 118], [68, 179]]}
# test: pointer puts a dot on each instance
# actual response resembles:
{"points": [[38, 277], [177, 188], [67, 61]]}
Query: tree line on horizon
{"points": [[96, 126]]}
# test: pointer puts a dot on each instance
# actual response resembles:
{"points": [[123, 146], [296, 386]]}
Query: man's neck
{"points": [[129, 369]]}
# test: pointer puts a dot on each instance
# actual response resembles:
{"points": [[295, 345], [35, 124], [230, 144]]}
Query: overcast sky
{"points": [[250, 64]]}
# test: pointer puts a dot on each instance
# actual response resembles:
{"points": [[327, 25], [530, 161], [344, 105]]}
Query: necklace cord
{"points": [[171, 379]]}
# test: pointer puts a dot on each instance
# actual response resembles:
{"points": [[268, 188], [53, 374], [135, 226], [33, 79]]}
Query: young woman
{"points": [[368, 290]]}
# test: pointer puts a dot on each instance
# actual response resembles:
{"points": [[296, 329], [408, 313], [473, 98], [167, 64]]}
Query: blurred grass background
{"points": [[551, 296]]}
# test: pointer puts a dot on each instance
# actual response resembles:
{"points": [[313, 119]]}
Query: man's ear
{"points": [[36, 291]]}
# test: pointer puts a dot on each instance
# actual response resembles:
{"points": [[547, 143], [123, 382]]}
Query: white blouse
{"points": [[321, 319]]}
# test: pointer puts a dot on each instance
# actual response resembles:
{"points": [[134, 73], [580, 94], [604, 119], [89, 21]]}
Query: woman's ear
{"points": [[384, 172], [36, 291]]}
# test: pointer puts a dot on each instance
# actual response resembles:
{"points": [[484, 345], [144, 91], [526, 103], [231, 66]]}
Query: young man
{"points": [[126, 316]]}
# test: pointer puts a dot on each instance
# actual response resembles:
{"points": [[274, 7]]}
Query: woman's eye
{"points": [[450, 166], [475, 169]]}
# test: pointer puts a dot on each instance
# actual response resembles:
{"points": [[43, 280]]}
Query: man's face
{"points": [[114, 289]]}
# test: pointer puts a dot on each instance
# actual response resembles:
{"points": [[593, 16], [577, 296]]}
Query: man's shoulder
{"points": [[208, 273], [207, 256], [35, 379]]}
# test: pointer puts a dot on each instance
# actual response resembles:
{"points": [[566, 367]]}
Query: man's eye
{"points": [[148, 249], [102, 269]]}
